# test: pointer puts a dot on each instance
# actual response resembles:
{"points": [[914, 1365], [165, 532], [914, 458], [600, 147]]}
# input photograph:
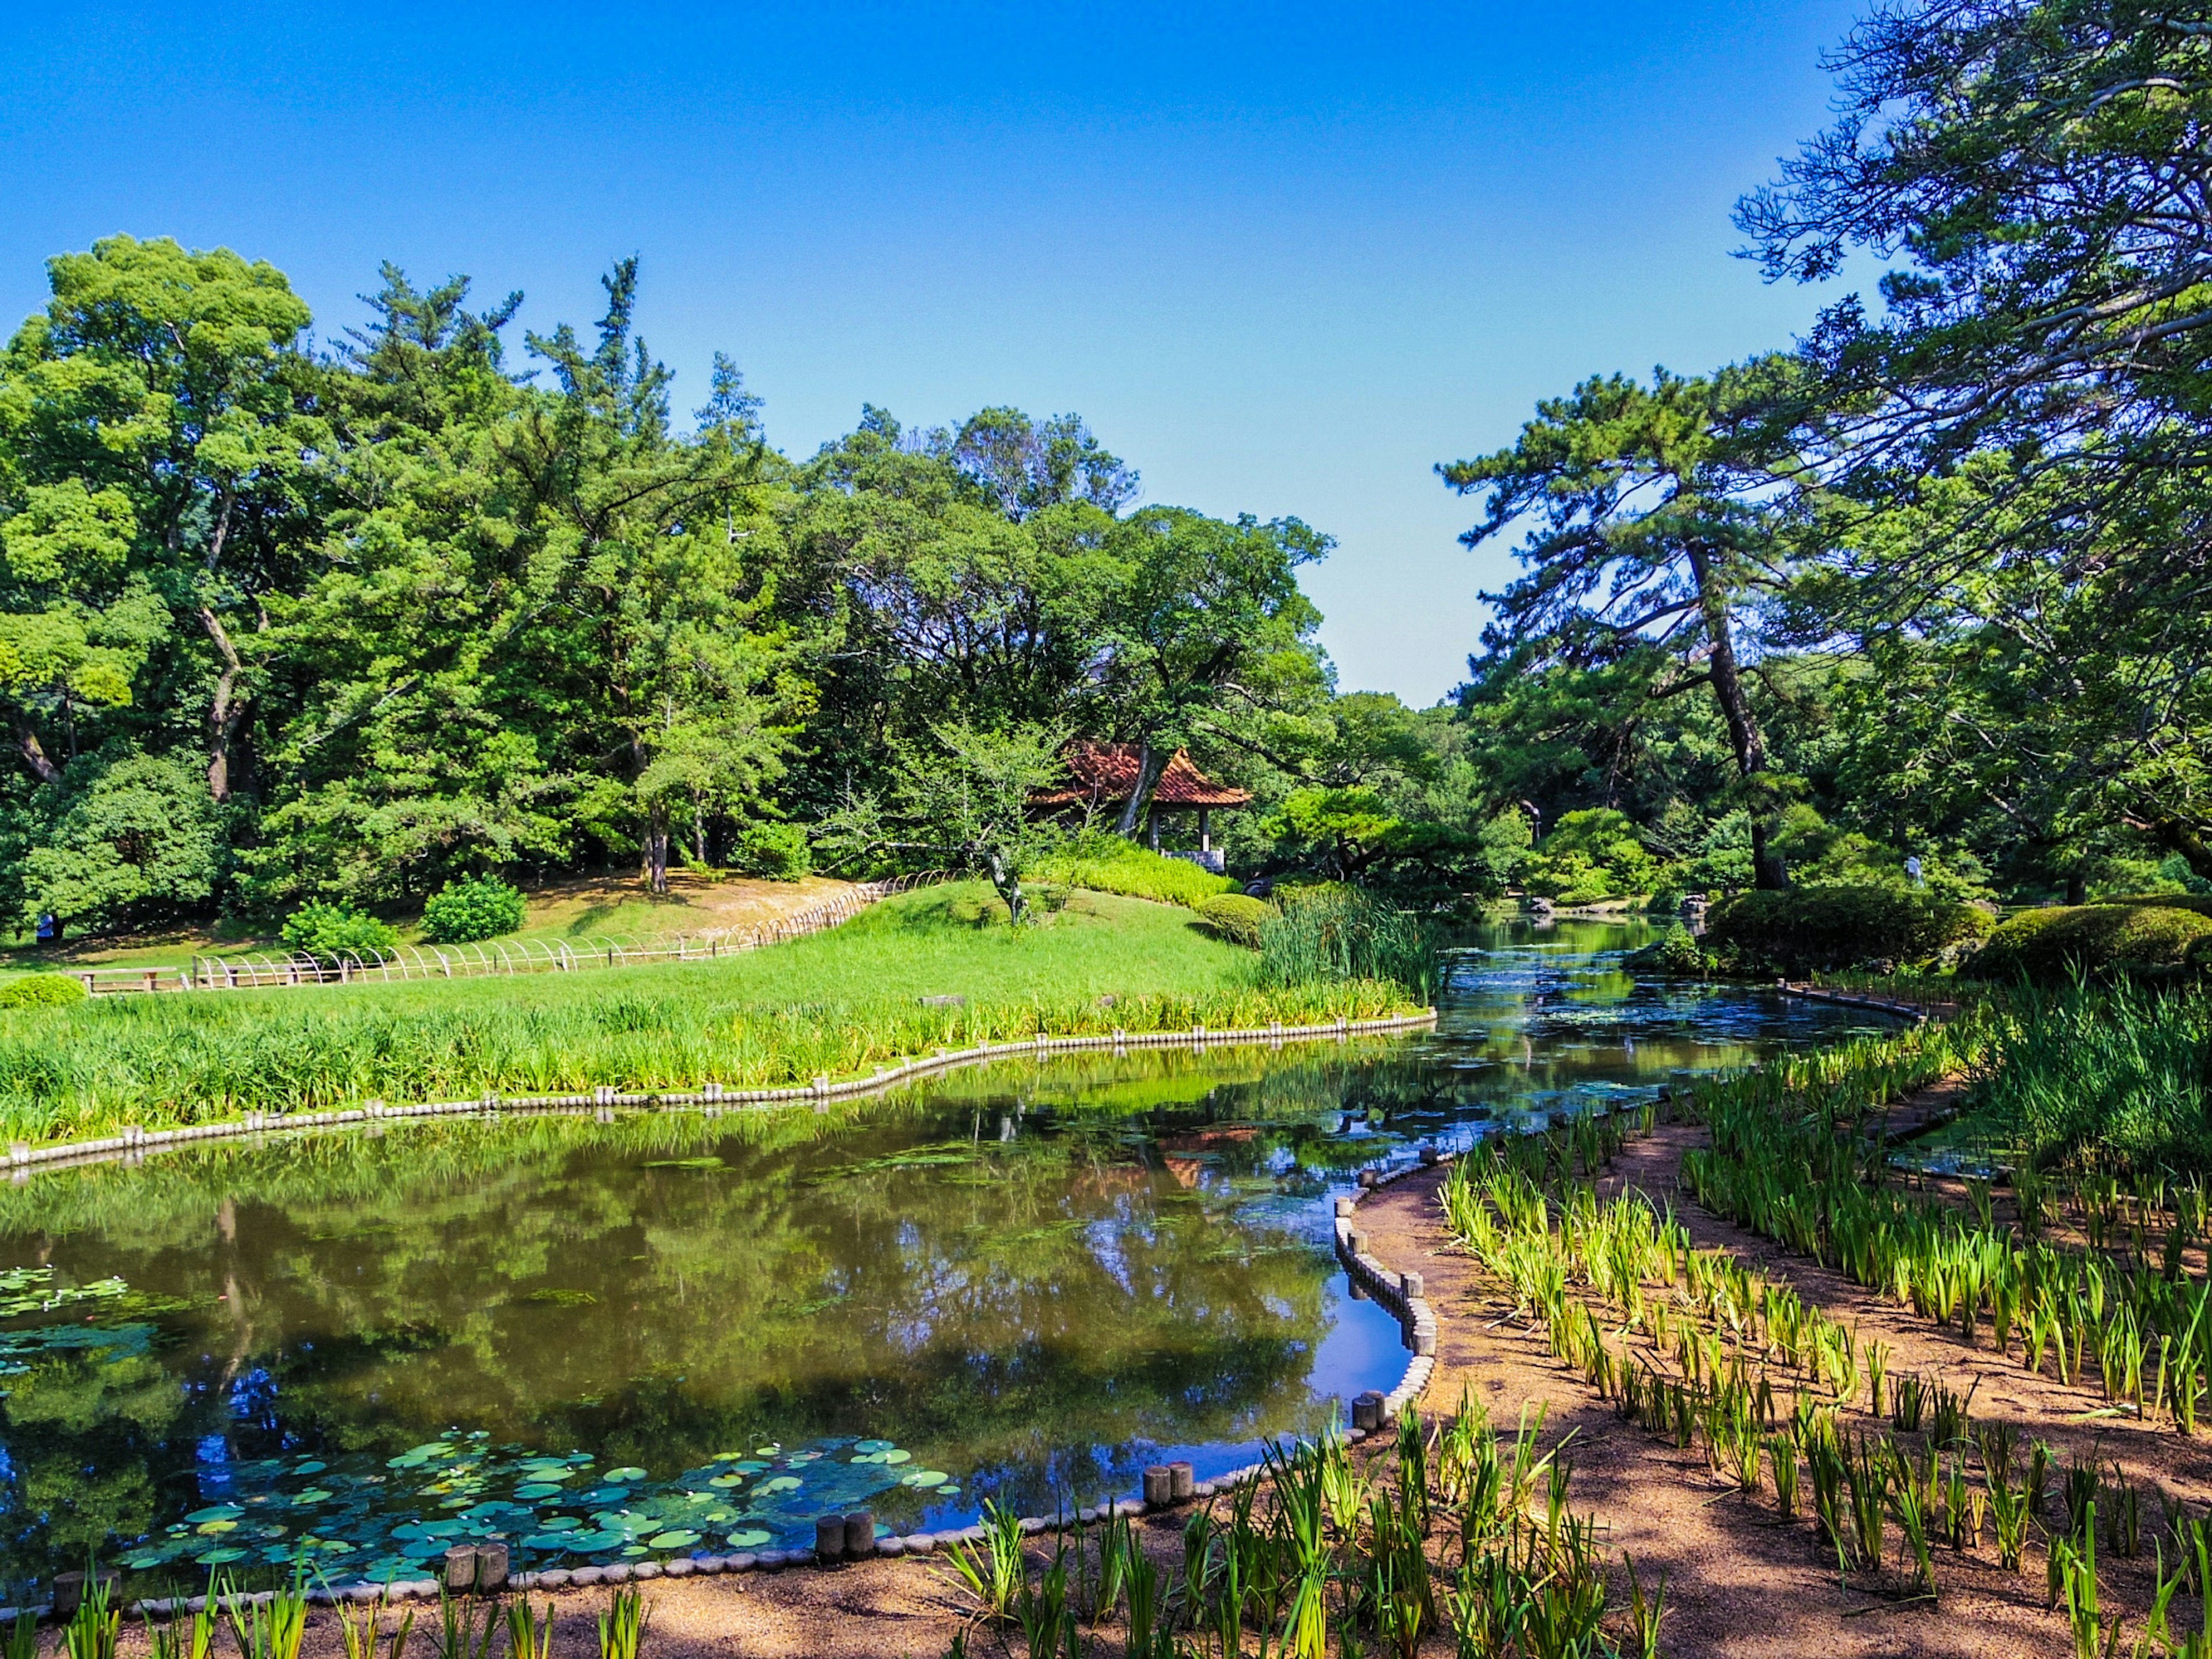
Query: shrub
{"points": [[1674, 955], [41, 991], [1327, 934], [330, 930], [1107, 864], [2053, 944], [1236, 917], [464, 910], [1803, 928], [772, 852]]}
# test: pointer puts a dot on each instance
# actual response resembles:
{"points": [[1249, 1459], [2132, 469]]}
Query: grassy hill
{"points": [[838, 1003]]}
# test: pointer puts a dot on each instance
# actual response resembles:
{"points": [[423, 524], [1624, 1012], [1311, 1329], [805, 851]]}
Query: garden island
{"points": [[619, 1038]]}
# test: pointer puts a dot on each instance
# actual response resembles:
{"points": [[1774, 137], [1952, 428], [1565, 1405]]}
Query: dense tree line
{"points": [[1933, 584], [1922, 598], [284, 621]]}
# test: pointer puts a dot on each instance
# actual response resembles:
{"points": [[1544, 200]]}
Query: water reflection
{"points": [[673, 1333]]}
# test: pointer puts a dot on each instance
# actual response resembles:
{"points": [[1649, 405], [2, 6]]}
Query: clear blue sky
{"points": [[1282, 258]]}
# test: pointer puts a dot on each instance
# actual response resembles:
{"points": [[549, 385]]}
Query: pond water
{"points": [[671, 1333]]}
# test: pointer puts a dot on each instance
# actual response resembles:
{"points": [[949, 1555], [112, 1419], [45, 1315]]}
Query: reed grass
{"points": [[839, 1004]]}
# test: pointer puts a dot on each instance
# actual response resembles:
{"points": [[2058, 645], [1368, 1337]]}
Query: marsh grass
{"points": [[838, 1003]]}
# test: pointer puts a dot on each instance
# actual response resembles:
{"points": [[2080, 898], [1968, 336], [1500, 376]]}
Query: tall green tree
{"points": [[1207, 630], [1654, 541]]}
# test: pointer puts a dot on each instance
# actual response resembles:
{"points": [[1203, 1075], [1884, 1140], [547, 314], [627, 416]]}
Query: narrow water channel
{"points": [[671, 1333]]}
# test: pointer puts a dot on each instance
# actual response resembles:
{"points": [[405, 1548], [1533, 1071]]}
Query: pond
{"points": [[669, 1334]]}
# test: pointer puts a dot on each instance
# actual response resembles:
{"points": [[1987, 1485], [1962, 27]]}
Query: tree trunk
{"points": [[656, 849], [1744, 735], [1150, 764], [226, 711], [35, 754], [1007, 881]]}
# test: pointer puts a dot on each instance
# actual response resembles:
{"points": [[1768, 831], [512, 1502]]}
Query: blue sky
{"points": [[1283, 259]]}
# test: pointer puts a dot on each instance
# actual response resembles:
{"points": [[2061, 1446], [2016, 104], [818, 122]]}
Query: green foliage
{"points": [[964, 801], [125, 841], [1806, 928], [335, 930], [1327, 934], [772, 851], [2116, 1074], [2052, 945], [42, 991], [1674, 955], [838, 1003], [1110, 863], [1592, 854], [1236, 917], [463, 911]]}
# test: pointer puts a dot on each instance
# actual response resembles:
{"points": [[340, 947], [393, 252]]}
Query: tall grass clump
{"points": [[1327, 934], [2116, 1076]]}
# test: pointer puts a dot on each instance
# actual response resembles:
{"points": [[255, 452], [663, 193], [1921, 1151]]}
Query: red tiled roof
{"points": [[1106, 771]]}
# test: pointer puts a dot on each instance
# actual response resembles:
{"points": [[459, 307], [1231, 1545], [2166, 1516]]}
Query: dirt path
{"points": [[1742, 1582]]}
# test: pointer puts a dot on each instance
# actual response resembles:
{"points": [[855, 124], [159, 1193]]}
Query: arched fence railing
{"points": [[524, 956]]}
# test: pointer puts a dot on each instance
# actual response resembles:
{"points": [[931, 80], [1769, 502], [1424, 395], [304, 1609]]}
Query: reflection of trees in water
{"points": [[911, 1277]]}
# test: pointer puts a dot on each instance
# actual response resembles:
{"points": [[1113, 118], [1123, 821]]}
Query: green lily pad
{"points": [[673, 1541], [217, 1512], [751, 1538], [781, 1483], [628, 1473], [536, 1491], [313, 1495], [217, 1558], [873, 1445]]}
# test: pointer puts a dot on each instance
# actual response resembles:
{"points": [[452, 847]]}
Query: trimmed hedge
{"points": [[42, 991], [1236, 917], [1801, 929], [2053, 944]]}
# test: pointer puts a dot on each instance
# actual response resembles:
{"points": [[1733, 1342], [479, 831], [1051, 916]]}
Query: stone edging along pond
{"points": [[1400, 1292]]}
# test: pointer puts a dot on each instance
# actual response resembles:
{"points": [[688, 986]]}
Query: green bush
{"points": [[42, 991], [1107, 864], [772, 852], [330, 930], [1803, 928], [1674, 955], [2050, 946], [464, 910], [1236, 917]]}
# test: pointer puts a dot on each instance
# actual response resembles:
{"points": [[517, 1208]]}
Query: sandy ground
{"points": [[1739, 1582]]}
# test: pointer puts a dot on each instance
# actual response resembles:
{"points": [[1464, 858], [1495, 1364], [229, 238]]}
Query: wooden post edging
{"points": [[1403, 1294]]}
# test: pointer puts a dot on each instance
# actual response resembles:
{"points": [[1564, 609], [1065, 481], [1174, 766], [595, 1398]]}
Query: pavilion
{"points": [[1102, 774]]}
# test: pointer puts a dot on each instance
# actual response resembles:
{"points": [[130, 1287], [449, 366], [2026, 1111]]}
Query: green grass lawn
{"points": [[839, 1004]]}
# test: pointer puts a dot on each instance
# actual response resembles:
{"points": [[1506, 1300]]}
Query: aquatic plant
{"points": [[91, 1631], [273, 1629], [622, 1624]]}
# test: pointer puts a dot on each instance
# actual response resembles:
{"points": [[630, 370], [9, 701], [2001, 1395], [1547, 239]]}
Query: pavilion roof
{"points": [[1104, 772]]}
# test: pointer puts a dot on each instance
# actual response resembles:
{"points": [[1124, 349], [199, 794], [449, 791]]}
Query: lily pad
{"points": [[682, 1539], [632, 1473], [751, 1538]]}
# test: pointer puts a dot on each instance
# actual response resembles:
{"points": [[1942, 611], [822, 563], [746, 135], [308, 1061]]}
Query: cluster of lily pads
{"points": [[357, 1518]]}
